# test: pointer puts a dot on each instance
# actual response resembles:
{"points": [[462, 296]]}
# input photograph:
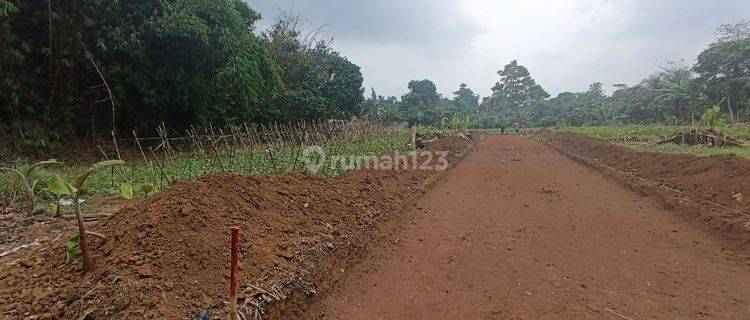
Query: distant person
{"points": [[516, 126]]}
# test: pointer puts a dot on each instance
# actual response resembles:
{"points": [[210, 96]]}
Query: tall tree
{"points": [[419, 104], [424, 90], [676, 91], [724, 66], [465, 99], [319, 82], [516, 90]]}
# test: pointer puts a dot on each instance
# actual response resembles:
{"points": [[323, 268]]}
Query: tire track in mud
{"points": [[518, 231]]}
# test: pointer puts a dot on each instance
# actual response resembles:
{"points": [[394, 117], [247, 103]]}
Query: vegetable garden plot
{"points": [[168, 257]]}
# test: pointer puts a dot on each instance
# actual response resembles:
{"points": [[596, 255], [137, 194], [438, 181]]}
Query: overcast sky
{"points": [[566, 45]]}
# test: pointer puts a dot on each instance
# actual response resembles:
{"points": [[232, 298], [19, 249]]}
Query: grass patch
{"points": [[701, 151], [652, 132], [649, 132]]}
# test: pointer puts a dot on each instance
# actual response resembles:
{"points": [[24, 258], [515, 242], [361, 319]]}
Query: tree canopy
{"points": [[134, 64], [89, 67], [516, 89], [320, 83], [465, 99]]}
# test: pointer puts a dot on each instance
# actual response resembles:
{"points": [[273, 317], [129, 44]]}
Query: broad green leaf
{"points": [[59, 186], [72, 242], [72, 249], [33, 167], [148, 189], [126, 190], [93, 168]]}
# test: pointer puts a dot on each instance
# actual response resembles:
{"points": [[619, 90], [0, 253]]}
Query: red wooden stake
{"points": [[233, 284]]}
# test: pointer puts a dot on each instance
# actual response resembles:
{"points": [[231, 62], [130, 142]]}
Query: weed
{"points": [[652, 132], [27, 183]]}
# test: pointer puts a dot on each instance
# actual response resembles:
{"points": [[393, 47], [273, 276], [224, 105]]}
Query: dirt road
{"points": [[518, 231]]}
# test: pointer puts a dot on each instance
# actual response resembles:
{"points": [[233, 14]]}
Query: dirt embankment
{"points": [[168, 257], [715, 189]]}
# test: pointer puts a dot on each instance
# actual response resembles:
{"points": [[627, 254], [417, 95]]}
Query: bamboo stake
{"points": [[297, 152], [145, 160], [161, 169], [114, 168], [216, 154], [117, 149]]}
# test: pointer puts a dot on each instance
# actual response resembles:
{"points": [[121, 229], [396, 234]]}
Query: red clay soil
{"points": [[168, 257], [520, 231], [721, 179]]}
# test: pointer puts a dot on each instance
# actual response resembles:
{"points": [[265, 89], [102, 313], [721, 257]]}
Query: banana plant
{"points": [[60, 186], [28, 186], [711, 118]]}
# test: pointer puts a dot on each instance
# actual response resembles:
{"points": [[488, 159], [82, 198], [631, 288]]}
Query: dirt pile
{"points": [[722, 179], [168, 257]]}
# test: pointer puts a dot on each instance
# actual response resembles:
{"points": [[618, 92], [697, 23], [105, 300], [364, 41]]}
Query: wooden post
{"points": [[233, 285], [413, 143]]}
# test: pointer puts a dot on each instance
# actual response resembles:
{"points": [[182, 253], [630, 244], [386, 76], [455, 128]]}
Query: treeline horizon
{"points": [[676, 94], [83, 70]]}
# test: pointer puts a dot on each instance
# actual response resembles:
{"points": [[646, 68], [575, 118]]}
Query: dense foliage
{"points": [[320, 83], [86, 67]]}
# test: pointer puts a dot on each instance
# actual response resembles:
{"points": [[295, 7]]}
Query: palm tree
{"points": [[673, 88]]}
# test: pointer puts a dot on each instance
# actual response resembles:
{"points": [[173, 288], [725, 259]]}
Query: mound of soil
{"points": [[722, 179], [167, 257]]}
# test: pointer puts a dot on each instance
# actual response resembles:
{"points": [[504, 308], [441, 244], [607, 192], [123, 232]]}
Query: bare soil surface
{"points": [[720, 178], [167, 257], [712, 190], [520, 231]]}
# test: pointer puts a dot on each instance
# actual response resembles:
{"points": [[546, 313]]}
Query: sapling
{"points": [[28, 186], [60, 186]]}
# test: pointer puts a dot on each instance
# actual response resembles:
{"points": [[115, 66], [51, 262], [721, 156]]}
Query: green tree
{"points": [[424, 91], [103, 64], [724, 66], [676, 92], [319, 82], [516, 91], [420, 104], [465, 99], [379, 109]]}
